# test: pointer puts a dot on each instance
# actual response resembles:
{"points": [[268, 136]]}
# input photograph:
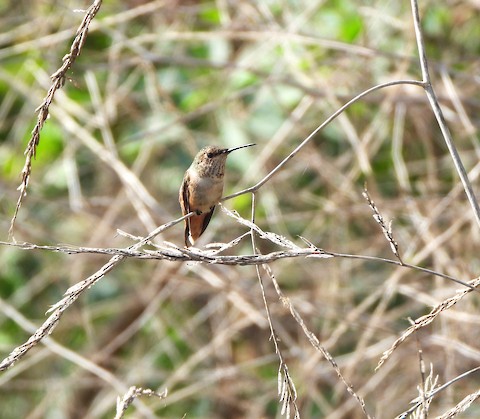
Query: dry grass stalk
{"points": [[130, 396], [427, 319], [58, 80]]}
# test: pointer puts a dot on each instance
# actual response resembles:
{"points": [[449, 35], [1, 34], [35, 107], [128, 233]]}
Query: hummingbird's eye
{"points": [[209, 155]]}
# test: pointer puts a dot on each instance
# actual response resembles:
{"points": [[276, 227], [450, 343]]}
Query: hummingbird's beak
{"points": [[229, 150]]}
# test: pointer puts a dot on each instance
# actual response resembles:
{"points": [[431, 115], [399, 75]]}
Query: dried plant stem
{"points": [[58, 80], [178, 254], [67, 354], [386, 229], [280, 165], [286, 387], [314, 341], [133, 393], [197, 255], [433, 100], [73, 293], [461, 407], [427, 319], [438, 390]]}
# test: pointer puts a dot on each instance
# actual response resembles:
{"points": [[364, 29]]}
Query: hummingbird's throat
{"points": [[213, 167]]}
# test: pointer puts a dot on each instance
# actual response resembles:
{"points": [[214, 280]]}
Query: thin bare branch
{"points": [[58, 80], [130, 396], [437, 110], [259, 184], [286, 387], [73, 293], [315, 342], [427, 319], [440, 389], [174, 253], [461, 407], [387, 230]]}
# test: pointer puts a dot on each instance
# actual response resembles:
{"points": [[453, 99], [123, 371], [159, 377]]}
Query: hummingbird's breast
{"points": [[204, 191]]}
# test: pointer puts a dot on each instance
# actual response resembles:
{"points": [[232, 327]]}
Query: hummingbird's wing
{"points": [[183, 198], [207, 216], [196, 224]]}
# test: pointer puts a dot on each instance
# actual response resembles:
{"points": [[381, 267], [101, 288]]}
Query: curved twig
{"points": [[259, 184]]}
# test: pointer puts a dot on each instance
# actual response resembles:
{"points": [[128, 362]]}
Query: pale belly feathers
{"points": [[206, 193]]}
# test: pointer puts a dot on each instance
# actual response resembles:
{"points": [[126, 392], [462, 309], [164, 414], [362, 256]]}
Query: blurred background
{"points": [[155, 82]]}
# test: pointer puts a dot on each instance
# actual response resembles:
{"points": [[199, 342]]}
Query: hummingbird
{"points": [[202, 189]]}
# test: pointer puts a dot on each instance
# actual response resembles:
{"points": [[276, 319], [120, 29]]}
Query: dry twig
{"points": [[130, 396], [387, 230], [58, 80], [437, 110], [286, 387], [462, 405], [73, 293], [427, 319], [314, 341]]}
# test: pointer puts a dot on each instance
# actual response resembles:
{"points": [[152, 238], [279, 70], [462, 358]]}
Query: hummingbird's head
{"points": [[213, 158], [212, 152]]}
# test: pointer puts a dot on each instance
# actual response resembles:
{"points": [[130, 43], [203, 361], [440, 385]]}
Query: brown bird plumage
{"points": [[202, 189]]}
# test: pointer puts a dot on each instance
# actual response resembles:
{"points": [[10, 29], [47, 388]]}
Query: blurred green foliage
{"points": [[172, 77]]}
